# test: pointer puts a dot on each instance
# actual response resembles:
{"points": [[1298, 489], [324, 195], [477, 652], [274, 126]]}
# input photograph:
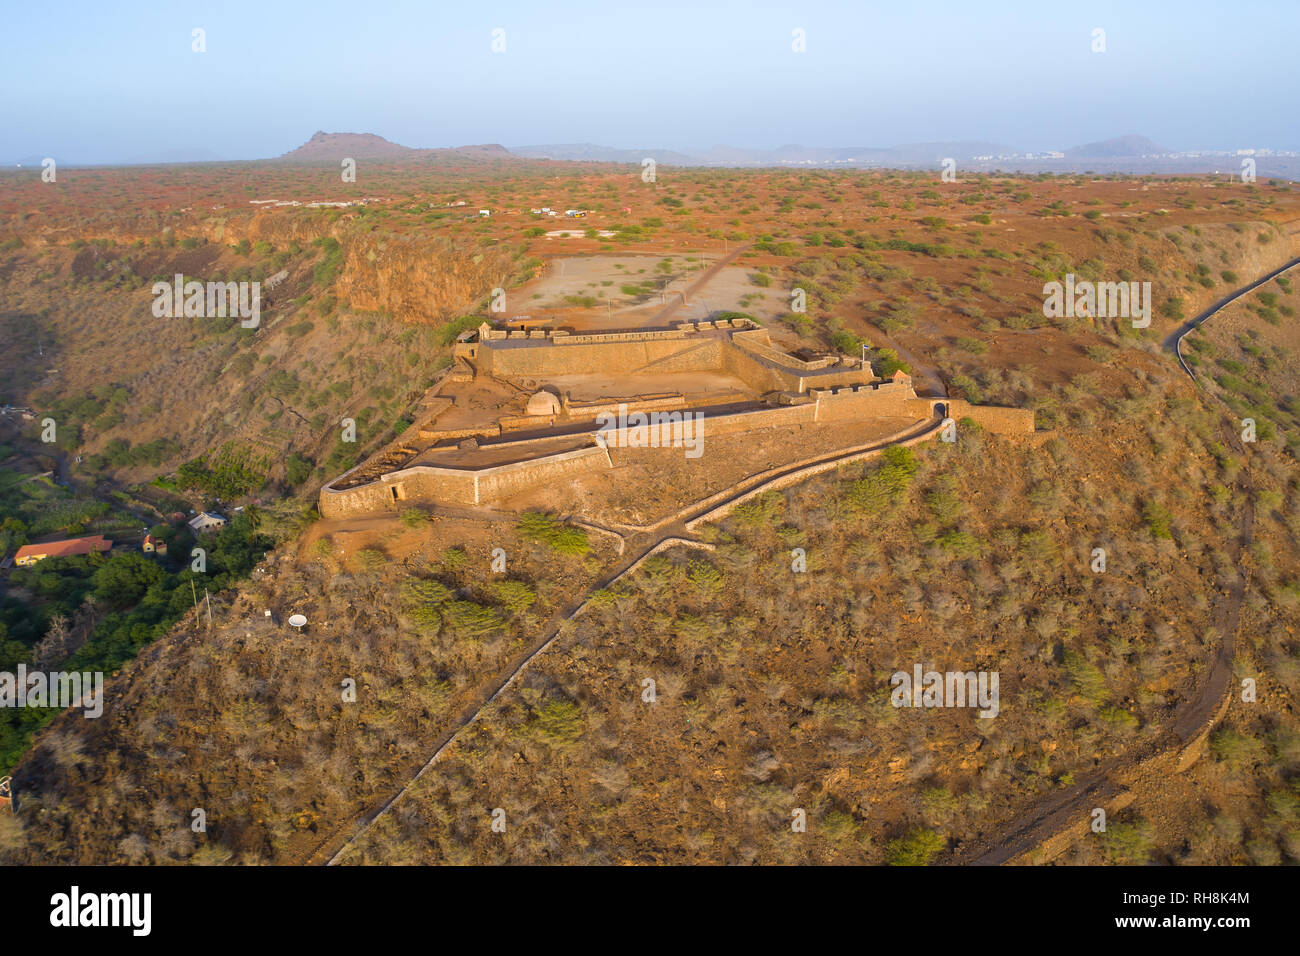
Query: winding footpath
{"points": [[1174, 340], [1059, 816], [1056, 821], [640, 543]]}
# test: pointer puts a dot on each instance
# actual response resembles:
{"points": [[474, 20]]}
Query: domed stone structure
{"points": [[543, 403]]}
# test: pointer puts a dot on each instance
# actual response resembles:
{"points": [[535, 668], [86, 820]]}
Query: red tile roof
{"points": [[63, 549]]}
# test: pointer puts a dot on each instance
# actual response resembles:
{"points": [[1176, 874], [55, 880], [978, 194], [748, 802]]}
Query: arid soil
{"points": [[772, 684]]}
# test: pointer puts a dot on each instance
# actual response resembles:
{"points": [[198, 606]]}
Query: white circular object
{"points": [[297, 620]]}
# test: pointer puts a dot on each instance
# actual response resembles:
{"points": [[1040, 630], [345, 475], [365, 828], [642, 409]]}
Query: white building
{"points": [[206, 521]]}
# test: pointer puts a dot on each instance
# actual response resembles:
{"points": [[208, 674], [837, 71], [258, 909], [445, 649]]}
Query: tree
{"points": [[123, 580]]}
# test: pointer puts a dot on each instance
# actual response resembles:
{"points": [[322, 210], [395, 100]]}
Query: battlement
{"points": [[738, 347]]}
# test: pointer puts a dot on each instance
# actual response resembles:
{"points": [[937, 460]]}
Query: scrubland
{"points": [[771, 685]]}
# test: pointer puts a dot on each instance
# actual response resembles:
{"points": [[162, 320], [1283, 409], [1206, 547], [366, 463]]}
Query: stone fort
{"points": [[522, 407]]}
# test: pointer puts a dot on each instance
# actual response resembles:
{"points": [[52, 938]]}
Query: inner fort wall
{"points": [[528, 360]]}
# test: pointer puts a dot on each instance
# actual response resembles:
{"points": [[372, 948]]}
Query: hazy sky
{"points": [[105, 82]]}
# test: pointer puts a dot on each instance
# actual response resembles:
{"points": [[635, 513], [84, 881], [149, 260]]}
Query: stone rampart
{"points": [[456, 486]]}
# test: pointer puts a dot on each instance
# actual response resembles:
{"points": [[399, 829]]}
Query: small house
{"points": [[206, 521], [153, 545]]}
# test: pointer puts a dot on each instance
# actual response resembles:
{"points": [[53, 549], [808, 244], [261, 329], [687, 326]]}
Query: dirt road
{"points": [[1174, 340]]}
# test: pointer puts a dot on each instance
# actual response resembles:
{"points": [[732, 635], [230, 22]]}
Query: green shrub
{"points": [[917, 848], [888, 484], [544, 529]]}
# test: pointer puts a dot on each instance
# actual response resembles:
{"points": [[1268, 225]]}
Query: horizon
{"points": [[115, 88]]}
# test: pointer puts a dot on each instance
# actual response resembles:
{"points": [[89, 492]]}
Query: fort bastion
{"points": [[521, 408]]}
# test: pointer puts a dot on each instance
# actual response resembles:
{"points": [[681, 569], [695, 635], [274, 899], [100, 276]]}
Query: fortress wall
{"points": [[768, 369], [758, 342], [365, 499], [414, 485], [584, 338], [759, 375], [447, 434], [748, 355], [839, 377], [618, 357], [887, 400], [998, 420], [593, 409], [673, 433], [431, 484], [699, 356], [505, 480]]}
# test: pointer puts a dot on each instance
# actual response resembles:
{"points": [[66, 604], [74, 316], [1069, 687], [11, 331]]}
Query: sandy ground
{"points": [[602, 277]]}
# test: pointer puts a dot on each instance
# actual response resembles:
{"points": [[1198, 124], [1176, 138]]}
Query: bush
{"points": [[1237, 750], [544, 529], [888, 484], [327, 270], [414, 518], [1157, 518], [560, 720], [298, 469], [917, 848], [1087, 679], [515, 596]]}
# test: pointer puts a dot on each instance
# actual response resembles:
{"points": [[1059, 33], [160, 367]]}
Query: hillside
{"points": [[773, 685]]}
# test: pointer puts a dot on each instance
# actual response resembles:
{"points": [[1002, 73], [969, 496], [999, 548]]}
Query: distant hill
{"points": [[331, 147], [1117, 147]]}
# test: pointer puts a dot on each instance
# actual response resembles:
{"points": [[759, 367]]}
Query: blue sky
{"points": [[95, 82]]}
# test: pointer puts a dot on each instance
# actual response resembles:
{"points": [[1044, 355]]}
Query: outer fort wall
{"points": [[505, 480], [428, 483], [993, 418], [885, 400]]}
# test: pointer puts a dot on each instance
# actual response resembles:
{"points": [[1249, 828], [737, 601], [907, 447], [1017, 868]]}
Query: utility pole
{"points": [[208, 598], [195, 595]]}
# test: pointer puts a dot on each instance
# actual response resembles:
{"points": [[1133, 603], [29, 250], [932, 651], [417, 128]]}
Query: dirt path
{"points": [[1174, 340], [700, 282], [1138, 770]]}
